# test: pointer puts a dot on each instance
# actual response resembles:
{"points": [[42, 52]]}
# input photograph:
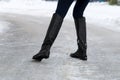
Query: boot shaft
{"points": [[80, 25], [53, 30]]}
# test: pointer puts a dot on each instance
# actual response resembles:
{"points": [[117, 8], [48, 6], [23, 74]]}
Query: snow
{"points": [[17, 46], [104, 15], [4, 26], [100, 14]]}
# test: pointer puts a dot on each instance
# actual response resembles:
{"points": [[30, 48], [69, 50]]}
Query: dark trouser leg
{"points": [[80, 25], [79, 8], [63, 6]]}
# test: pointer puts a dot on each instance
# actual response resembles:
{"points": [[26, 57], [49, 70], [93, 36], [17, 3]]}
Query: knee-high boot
{"points": [[80, 25], [51, 35]]}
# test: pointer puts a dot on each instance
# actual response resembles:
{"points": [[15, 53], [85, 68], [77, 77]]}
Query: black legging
{"points": [[64, 5]]}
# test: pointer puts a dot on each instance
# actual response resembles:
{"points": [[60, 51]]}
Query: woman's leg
{"points": [[80, 25], [79, 8], [53, 29], [78, 14], [63, 6]]}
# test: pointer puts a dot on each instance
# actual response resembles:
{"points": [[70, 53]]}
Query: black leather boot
{"points": [[80, 25], [51, 35]]}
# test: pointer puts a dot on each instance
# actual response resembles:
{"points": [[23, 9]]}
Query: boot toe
{"points": [[41, 55], [36, 56], [74, 55]]}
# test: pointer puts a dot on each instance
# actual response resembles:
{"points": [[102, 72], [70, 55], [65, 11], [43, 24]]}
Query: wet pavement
{"points": [[25, 36]]}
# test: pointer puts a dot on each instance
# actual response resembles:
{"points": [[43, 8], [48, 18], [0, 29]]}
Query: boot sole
{"points": [[40, 58], [84, 58]]}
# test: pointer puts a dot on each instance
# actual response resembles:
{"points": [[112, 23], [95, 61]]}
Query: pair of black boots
{"points": [[52, 32]]}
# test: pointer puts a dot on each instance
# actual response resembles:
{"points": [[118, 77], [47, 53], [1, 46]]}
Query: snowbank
{"points": [[104, 15], [100, 14]]}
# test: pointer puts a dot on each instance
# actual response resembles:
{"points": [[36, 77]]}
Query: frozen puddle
{"points": [[4, 26]]}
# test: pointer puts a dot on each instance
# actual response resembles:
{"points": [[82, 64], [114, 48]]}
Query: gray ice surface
{"points": [[24, 39]]}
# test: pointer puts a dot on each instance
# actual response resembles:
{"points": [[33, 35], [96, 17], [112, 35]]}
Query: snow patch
{"points": [[4, 26]]}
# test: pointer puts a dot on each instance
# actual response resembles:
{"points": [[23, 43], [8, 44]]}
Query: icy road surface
{"points": [[24, 39]]}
